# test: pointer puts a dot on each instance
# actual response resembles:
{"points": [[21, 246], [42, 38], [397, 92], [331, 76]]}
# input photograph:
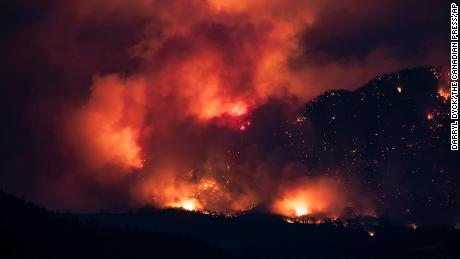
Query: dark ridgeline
{"points": [[27, 231], [389, 140]]}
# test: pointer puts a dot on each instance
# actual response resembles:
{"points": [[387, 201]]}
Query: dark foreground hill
{"points": [[256, 235], [27, 231]]}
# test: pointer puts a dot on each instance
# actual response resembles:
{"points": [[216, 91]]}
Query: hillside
{"points": [[390, 139], [27, 231]]}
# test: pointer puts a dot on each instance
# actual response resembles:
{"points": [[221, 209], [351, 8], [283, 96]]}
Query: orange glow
{"points": [[399, 89], [238, 109], [371, 233], [429, 116], [307, 197], [300, 207], [209, 82], [109, 126], [208, 66], [203, 86], [444, 93], [189, 204], [203, 195]]}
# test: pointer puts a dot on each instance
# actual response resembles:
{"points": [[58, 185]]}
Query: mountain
{"points": [[390, 139], [27, 231]]}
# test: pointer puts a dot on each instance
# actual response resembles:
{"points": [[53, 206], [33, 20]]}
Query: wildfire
{"points": [[212, 70], [309, 197], [444, 93], [399, 89], [298, 207], [197, 193], [189, 204], [371, 233], [429, 116]]}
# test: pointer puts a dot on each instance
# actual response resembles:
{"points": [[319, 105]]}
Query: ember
{"points": [[444, 94]]}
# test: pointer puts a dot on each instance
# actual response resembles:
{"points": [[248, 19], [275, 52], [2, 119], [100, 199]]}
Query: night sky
{"points": [[325, 108]]}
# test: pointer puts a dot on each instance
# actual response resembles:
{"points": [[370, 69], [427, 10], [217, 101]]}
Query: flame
{"points": [[371, 233], [444, 93], [297, 206], [300, 208], [429, 116], [204, 194], [188, 204], [307, 197], [399, 89]]}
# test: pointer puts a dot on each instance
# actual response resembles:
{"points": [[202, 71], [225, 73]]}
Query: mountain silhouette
{"points": [[27, 231], [390, 139]]}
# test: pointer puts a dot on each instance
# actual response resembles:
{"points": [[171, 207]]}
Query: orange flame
{"points": [[308, 197], [444, 93], [202, 195], [188, 204]]}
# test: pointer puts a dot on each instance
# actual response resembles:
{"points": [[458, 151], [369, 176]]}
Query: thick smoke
{"points": [[183, 103]]}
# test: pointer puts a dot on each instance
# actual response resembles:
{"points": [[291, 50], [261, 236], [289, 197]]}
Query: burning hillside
{"points": [[195, 105]]}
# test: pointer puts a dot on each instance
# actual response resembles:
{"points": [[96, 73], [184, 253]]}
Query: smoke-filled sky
{"points": [[113, 104]]}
